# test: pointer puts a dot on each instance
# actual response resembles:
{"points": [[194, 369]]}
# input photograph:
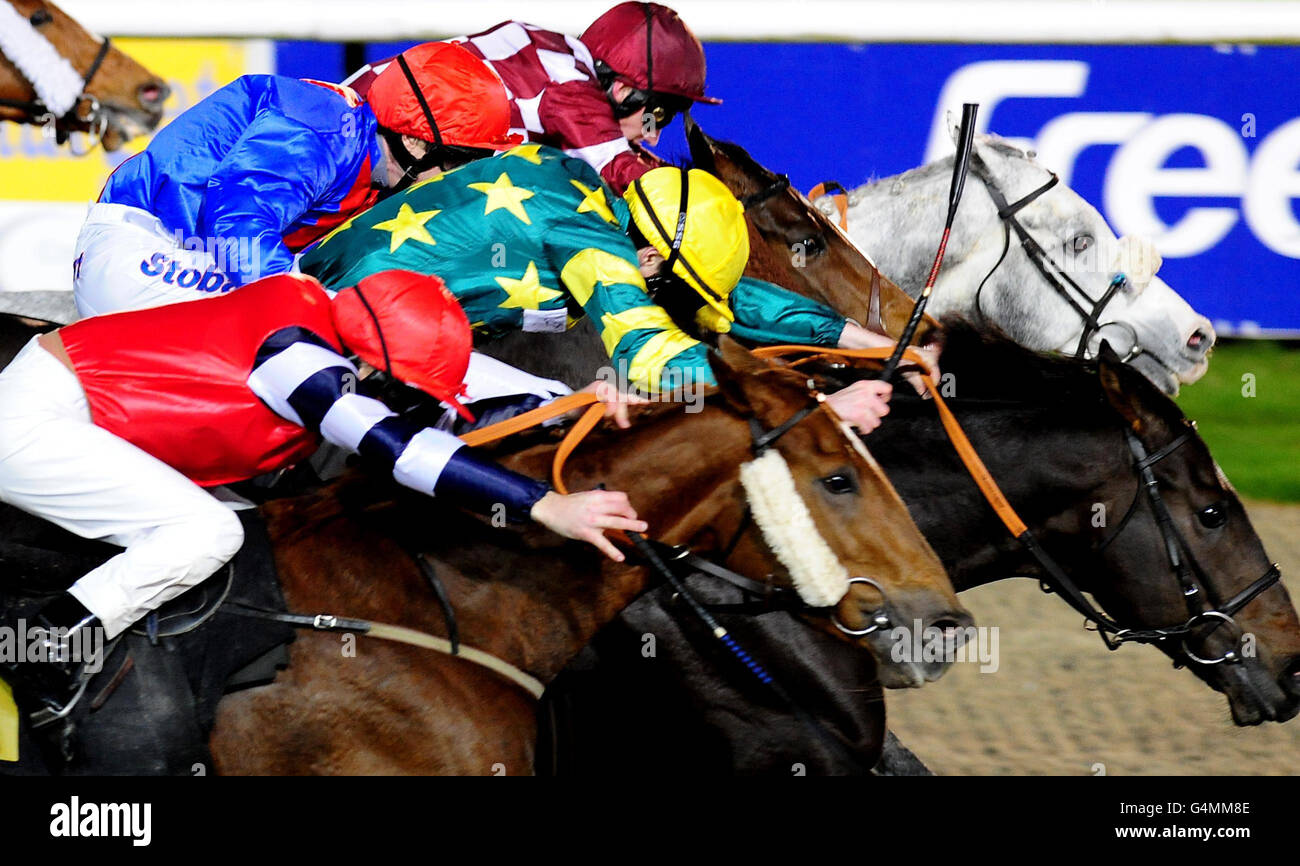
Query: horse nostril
{"points": [[953, 632], [1199, 341], [1290, 680], [151, 95]]}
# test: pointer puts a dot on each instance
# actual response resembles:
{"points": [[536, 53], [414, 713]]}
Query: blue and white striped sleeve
{"points": [[303, 380]]}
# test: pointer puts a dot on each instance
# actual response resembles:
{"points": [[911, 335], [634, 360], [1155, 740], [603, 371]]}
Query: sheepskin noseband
{"points": [[788, 528]]}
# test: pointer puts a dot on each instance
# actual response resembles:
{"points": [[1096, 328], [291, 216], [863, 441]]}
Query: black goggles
{"points": [[663, 107]]}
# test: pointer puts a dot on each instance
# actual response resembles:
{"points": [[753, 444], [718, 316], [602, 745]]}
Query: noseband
{"points": [[54, 127], [1088, 310], [763, 596]]}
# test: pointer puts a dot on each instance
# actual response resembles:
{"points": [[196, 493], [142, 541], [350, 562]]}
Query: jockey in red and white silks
{"points": [[111, 427]]}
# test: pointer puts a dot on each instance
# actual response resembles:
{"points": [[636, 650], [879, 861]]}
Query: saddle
{"points": [[150, 708]]}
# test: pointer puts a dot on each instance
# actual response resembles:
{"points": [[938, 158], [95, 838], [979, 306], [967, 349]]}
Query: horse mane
{"points": [[941, 167], [987, 365]]}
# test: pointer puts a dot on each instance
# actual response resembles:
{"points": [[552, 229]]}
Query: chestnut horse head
{"points": [[795, 245], [772, 485], [813, 513], [92, 87]]}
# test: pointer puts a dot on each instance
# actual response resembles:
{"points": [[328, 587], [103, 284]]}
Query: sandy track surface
{"points": [[1060, 703]]}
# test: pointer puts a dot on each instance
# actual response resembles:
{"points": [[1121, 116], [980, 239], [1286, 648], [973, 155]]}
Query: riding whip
{"points": [[960, 164]]}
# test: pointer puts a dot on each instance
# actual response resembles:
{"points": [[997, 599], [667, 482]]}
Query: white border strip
{"points": [[1024, 21]]}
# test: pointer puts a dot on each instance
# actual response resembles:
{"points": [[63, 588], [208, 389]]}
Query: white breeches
{"points": [[126, 260], [55, 463]]}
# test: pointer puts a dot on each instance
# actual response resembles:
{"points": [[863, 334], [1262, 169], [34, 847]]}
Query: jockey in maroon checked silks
{"points": [[596, 97], [113, 426]]}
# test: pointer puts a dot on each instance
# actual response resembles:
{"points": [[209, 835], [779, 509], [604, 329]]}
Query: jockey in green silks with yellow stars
{"points": [[533, 238]]}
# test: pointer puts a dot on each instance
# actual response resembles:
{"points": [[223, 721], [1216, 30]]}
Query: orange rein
{"points": [[527, 420], [969, 457], [596, 410], [838, 194]]}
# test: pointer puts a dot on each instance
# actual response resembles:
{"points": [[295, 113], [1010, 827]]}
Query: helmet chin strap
{"points": [[674, 240], [412, 167]]}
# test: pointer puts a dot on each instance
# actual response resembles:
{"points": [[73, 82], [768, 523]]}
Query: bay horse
{"points": [[1052, 432], [530, 598], [111, 97]]}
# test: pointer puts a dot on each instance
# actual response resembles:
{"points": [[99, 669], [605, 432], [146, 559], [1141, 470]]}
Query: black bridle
{"points": [[1088, 310], [1190, 575], [39, 113], [764, 596], [760, 198], [769, 598]]}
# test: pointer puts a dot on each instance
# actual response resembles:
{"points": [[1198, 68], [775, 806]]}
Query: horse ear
{"points": [[1110, 371], [701, 145], [736, 370]]}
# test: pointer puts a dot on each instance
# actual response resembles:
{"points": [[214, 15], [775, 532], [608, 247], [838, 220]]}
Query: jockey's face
{"points": [[635, 127]]}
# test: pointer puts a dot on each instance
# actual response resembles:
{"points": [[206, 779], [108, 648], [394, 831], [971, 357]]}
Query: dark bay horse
{"points": [[1052, 432], [120, 99], [533, 600]]}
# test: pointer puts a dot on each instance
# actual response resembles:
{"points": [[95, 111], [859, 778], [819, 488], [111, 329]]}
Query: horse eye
{"points": [[39, 17], [1212, 516], [839, 484], [812, 245], [1081, 243]]}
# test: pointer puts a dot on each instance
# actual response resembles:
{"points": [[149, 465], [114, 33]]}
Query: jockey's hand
{"points": [[616, 402], [862, 404], [931, 355], [585, 516], [854, 336]]}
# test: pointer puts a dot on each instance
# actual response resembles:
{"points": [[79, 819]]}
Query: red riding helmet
{"points": [[650, 47], [409, 325], [441, 93]]}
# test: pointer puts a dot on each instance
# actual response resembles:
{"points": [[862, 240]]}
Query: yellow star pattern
{"points": [[594, 200], [526, 152], [504, 194], [408, 225], [527, 293]]}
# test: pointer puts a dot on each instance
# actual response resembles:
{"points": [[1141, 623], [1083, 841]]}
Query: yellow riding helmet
{"points": [[706, 243]]}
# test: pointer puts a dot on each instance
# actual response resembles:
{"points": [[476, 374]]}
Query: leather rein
{"points": [[1190, 575]]}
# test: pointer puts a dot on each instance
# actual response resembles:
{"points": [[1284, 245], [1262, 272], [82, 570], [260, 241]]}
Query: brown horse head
{"points": [[533, 599], [813, 512], [1254, 655], [795, 245], [121, 100]]}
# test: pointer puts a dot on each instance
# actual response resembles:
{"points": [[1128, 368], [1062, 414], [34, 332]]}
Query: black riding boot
{"points": [[45, 678]]}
